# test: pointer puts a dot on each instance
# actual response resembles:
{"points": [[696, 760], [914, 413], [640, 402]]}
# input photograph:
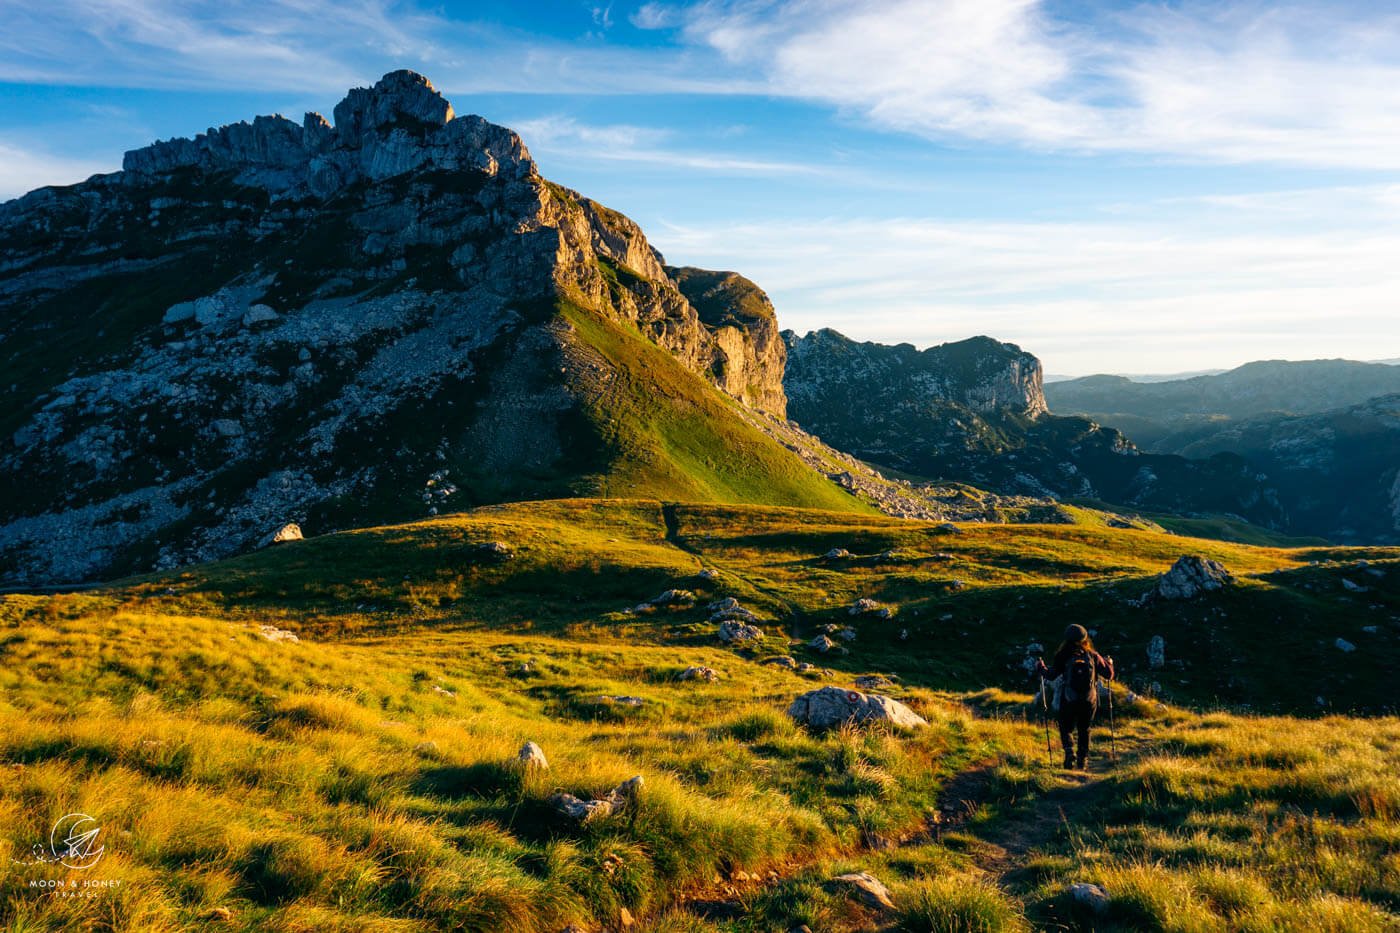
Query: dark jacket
{"points": [[1103, 667]]}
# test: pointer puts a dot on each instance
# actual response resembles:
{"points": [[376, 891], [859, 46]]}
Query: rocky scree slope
{"points": [[975, 411], [365, 321]]}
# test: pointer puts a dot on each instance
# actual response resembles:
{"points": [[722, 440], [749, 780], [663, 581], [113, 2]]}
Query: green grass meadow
{"points": [[364, 776]]}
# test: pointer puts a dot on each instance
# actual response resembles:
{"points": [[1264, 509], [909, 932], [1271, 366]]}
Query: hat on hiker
{"points": [[1075, 634]]}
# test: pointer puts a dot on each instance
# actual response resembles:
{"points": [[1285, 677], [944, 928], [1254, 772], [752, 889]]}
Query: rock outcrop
{"points": [[833, 706], [1191, 576], [283, 321]]}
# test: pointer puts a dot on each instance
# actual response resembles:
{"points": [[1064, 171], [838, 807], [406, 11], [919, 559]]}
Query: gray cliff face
{"points": [[974, 411], [332, 325], [979, 374]]}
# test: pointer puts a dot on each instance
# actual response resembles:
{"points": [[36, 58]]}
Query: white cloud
{"points": [[23, 169], [1132, 295], [1233, 83], [639, 145]]}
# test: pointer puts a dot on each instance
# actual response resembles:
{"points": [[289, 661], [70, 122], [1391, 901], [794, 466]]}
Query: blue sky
{"points": [[1124, 187]]}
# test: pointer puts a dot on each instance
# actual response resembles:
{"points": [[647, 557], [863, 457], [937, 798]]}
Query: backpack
{"points": [[1079, 680]]}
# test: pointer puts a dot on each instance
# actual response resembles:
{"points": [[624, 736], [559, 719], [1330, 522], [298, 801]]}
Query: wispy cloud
{"points": [[23, 169], [282, 45], [1135, 294], [641, 145], [1302, 84]]}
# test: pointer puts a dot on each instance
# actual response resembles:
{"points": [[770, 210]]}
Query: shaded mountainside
{"points": [[1152, 411], [344, 324], [975, 411], [1339, 471]]}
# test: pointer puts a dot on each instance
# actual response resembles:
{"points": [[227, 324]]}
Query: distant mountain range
{"points": [[1323, 431], [1151, 412]]}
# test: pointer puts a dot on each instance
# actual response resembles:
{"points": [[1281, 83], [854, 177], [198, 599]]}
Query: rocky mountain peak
{"points": [[397, 98], [333, 325], [401, 124]]}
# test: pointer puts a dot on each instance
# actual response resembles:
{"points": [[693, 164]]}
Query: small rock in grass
{"points": [[531, 757], [821, 644], [426, 749], [633, 702], [1091, 897], [1157, 652], [728, 604], [836, 553], [274, 634], [497, 550], [783, 660], [1344, 646], [709, 575], [733, 632], [867, 888], [708, 674]]}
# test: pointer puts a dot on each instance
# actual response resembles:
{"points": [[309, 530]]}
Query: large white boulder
{"points": [[833, 706]]}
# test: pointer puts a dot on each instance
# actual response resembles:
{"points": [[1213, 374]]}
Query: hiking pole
{"points": [[1045, 717], [1112, 730]]}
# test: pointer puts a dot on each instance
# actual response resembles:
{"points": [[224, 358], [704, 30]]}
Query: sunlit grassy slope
{"points": [[663, 432], [360, 779]]}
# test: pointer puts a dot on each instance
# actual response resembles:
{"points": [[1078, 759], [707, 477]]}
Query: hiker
{"points": [[1078, 666]]}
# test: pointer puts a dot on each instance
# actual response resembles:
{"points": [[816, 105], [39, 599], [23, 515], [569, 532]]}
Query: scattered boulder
{"points": [[616, 800], [226, 427], [497, 550], [709, 575], [782, 660], [869, 607], [866, 888], [1157, 652], [733, 631], [873, 682], [675, 598], [822, 644], [1089, 897], [531, 757], [837, 553], [1352, 587], [708, 674], [1191, 576], [833, 706], [728, 604], [274, 634], [949, 528], [1344, 646], [291, 531], [610, 700]]}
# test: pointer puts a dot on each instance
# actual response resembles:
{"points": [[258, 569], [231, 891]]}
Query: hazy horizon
{"points": [[1113, 187]]}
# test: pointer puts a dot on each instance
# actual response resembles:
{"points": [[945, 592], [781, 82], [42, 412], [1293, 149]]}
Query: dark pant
{"points": [[1075, 717]]}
